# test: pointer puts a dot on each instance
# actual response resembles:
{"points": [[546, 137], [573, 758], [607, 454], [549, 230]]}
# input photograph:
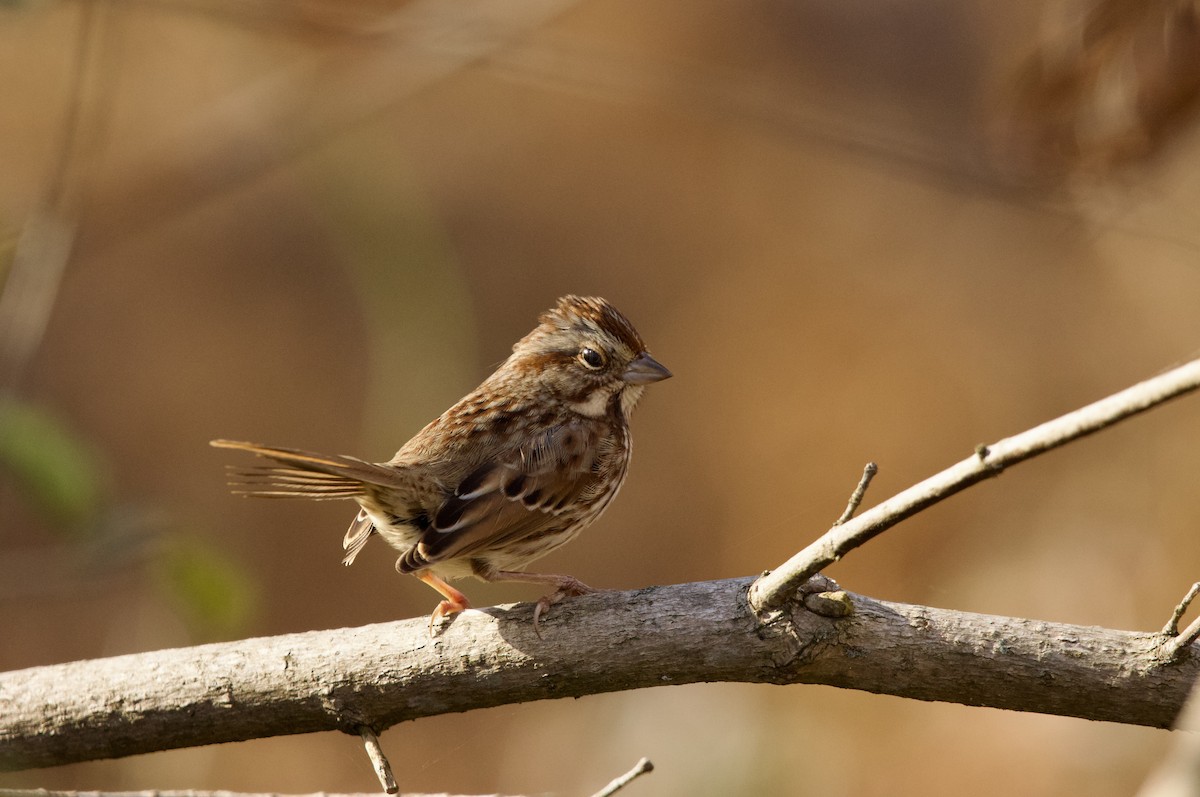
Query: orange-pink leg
{"points": [[454, 601]]}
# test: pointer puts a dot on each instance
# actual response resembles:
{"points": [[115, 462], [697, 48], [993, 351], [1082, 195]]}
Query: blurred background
{"points": [[855, 231]]}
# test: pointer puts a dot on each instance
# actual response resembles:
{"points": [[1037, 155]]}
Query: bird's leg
{"points": [[564, 587], [454, 601]]}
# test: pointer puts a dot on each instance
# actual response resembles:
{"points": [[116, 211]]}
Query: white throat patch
{"points": [[594, 406]]}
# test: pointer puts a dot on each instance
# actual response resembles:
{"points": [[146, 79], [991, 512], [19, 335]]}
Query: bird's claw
{"points": [[569, 587], [444, 609]]}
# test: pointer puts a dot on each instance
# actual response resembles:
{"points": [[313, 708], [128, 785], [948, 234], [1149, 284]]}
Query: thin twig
{"points": [[1173, 647], [1171, 629], [383, 770], [639, 769], [776, 588], [856, 497]]}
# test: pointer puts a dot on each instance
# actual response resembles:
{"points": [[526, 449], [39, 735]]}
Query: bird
{"points": [[514, 470]]}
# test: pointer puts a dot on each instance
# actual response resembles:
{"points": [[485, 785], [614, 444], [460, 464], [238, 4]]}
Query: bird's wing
{"points": [[523, 492]]}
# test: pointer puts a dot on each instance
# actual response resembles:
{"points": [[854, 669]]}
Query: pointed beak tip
{"points": [[645, 370]]}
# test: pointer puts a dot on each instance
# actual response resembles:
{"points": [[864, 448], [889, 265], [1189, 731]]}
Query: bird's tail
{"points": [[307, 475]]}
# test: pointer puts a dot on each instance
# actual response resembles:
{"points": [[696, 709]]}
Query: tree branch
{"points": [[203, 793], [775, 588], [380, 675]]}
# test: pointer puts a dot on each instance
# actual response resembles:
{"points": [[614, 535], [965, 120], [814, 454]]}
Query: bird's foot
{"points": [[454, 601], [568, 587]]}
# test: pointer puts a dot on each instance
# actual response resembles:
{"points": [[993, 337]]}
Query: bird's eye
{"points": [[591, 358]]}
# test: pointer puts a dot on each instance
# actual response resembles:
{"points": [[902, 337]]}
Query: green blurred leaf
{"points": [[213, 592], [58, 471]]}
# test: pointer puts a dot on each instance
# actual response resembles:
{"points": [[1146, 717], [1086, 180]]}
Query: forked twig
{"points": [[1172, 627], [775, 588], [1176, 641]]}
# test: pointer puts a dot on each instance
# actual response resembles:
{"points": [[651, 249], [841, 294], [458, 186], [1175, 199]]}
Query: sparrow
{"points": [[516, 469]]}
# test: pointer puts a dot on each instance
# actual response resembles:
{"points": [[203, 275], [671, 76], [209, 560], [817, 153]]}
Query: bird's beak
{"points": [[645, 369]]}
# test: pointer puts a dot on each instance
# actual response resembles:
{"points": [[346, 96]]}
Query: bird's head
{"points": [[588, 354]]}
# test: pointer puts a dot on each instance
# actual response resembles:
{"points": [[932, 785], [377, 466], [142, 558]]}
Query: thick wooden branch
{"points": [[380, 675]]}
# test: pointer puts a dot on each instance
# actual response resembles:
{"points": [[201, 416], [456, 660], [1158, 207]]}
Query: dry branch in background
{"points": [[1111, 84], [377, 676]]}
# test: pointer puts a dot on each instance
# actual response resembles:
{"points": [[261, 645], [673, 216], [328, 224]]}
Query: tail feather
{"points": [[306, 475], [317, 481], [274, 483], [257, 492]]}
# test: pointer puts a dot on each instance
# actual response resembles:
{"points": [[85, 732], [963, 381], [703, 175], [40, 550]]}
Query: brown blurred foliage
{"points": [[318, 224], [1110, 84]]}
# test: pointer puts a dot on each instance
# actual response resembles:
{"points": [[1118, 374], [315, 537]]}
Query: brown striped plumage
{"points": [[511, 472]]}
